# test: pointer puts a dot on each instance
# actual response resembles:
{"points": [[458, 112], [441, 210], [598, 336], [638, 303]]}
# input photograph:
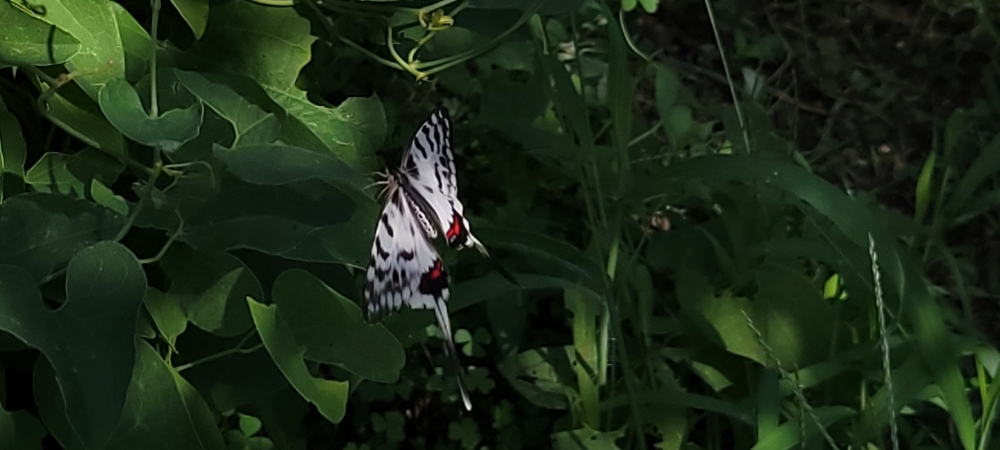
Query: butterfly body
{"points": [[420, 205]]}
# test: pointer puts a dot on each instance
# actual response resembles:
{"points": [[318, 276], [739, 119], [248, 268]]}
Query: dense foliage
{"points": [[186, 213]]}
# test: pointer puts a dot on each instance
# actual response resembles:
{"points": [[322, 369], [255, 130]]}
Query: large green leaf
{"points": [[307, 221], [89, 340], [251, 124], [73, 175], [279, 163], [19, 429], [28, 41], [39, 232], [94, 24], [332, 330], [163, 411], [211, 288], [167, 315], [329, 396], [167, 131], [82, 118], [271, 45]]}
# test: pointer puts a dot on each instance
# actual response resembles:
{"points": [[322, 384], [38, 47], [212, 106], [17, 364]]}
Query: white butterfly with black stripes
{"points": [[420, 205]]}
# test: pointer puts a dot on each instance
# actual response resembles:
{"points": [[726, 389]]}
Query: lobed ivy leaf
{"points": [[271, 45], [20, 430], [251, 124], [279, 163], [89, 340], [40, 232], [121, 105], [332, 330], [329, 396], [306, 221], [210, 288], [163, 411]]}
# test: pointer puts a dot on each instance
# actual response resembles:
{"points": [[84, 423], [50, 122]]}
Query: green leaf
{"points": [[195, 13], [792, 433], [271, 45], [720, 319], [211, 288], [89, 340], [329, 396], [51, 407], [82, 118], [306, 221], [73, 175], [163, 411], [121, 105], [332, 330], [28, 41], [167, 314], [790, 312], [19, 429], [39, 232], [252, 125], [282, 164], [93, 23], [541, 375], [12, 145], [136, 42], [249, 425], [923, 191], [105, 197]]}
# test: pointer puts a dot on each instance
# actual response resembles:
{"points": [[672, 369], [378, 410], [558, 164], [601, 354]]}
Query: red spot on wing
{"points": [[456, 226], [436, 270]]}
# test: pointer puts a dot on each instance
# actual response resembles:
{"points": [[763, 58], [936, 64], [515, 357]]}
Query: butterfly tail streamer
{"points": [[441, 311]]}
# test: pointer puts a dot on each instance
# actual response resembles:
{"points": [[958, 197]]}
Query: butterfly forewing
{"points": [[429, 168]]}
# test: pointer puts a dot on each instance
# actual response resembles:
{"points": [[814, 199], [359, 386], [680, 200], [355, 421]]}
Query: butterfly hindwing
{"points": [[405, 269]]}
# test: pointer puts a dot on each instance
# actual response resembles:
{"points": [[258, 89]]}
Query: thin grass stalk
{"points": [[884, 337]]}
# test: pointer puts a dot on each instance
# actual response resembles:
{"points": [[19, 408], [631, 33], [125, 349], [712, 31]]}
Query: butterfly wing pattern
{"points": [[429, 168], [420, 204]]}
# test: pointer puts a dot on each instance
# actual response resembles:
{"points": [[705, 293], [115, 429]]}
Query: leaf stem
{"points": [[154, 104], [235, 350]]}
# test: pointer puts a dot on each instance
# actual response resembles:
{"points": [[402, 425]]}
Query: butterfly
{"points": [[420, 205]]}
